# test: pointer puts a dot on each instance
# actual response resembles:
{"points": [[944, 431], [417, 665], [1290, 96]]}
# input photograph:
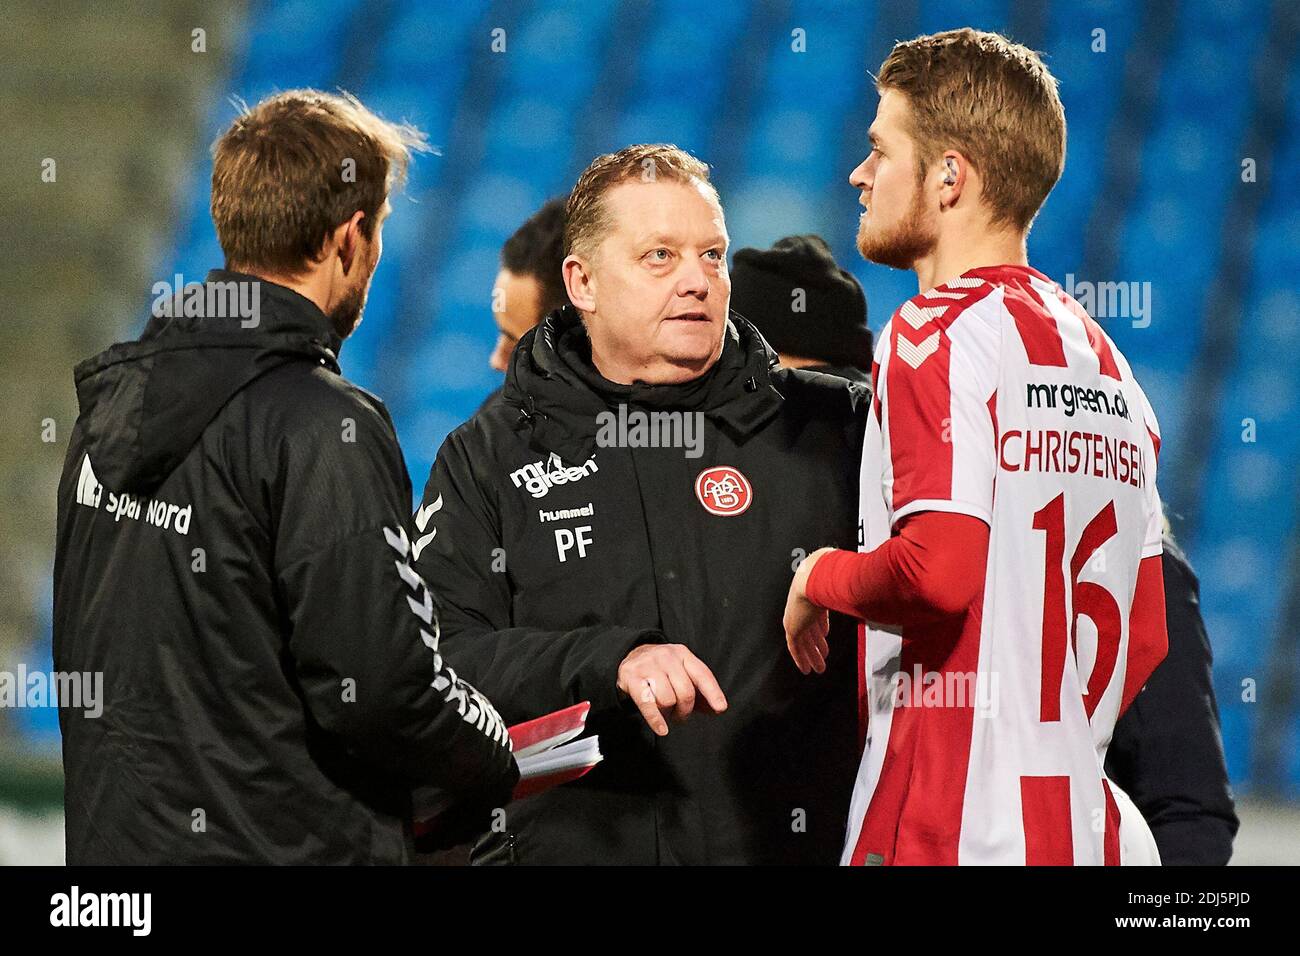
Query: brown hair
{"points": [[585, 218], [294, 167], [994, 101]]}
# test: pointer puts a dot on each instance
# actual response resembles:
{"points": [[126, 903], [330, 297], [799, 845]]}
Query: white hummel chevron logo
{"points": [[423, 611], [431, 640], [407, 574], [420, 543], [914, 355], [472, 706], [426, 512], [964, 283], [398, 541], [916, 317], [89, 489], [422, 517]]}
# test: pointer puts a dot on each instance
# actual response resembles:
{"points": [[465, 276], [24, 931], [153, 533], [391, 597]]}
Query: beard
{"points": [[902, 245], [346, 315]]}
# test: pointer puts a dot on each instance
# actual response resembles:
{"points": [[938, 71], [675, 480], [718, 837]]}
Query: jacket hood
{"points": [[558, 391], [144, 404]]}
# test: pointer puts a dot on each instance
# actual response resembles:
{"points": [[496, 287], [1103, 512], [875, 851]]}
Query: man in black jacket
{"points": [[620, 529], [232, 553]]}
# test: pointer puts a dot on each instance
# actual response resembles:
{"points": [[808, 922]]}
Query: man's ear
{"points": [[953, 172], [579, 283], [348, 239]]}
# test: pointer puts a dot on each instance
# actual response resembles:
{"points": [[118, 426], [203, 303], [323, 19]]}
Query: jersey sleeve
{"points": [[936, 387]]}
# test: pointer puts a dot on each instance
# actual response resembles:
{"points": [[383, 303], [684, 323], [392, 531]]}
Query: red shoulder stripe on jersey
{"points": [[1037, 328], [1096, 338], [1155, 443], [919, 394]]}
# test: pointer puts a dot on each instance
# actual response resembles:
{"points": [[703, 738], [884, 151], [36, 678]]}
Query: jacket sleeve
{"points": [[364, 633], [526, 671], [1166, 751]]}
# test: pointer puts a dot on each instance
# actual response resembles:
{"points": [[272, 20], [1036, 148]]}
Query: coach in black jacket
{"points": [[570, 557], [232, 554]]}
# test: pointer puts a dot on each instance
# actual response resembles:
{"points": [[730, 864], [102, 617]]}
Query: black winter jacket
{"points": [[556, 553], [232, 557]]}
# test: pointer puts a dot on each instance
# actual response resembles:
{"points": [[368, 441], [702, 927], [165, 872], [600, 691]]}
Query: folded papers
{"points": [[547, 755]]}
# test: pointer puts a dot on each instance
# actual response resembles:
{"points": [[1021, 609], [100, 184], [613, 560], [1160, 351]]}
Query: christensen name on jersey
{"points": [[1073, 453]]}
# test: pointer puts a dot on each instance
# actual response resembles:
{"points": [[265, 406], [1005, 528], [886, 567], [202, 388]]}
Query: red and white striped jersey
{"points": [[997, 396]]}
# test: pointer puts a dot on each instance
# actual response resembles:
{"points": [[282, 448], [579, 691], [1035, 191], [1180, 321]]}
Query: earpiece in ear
{"points": [[951, 178]]}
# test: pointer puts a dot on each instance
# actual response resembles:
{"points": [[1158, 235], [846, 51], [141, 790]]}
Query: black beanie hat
{"points": [[833, 324]]}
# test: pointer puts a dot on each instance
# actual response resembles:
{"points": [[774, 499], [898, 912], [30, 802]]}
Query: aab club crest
{"points": [[723, 490]]}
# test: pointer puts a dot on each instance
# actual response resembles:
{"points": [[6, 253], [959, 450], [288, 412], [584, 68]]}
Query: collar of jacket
{"points": [[558, 392], [282, 313]]}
